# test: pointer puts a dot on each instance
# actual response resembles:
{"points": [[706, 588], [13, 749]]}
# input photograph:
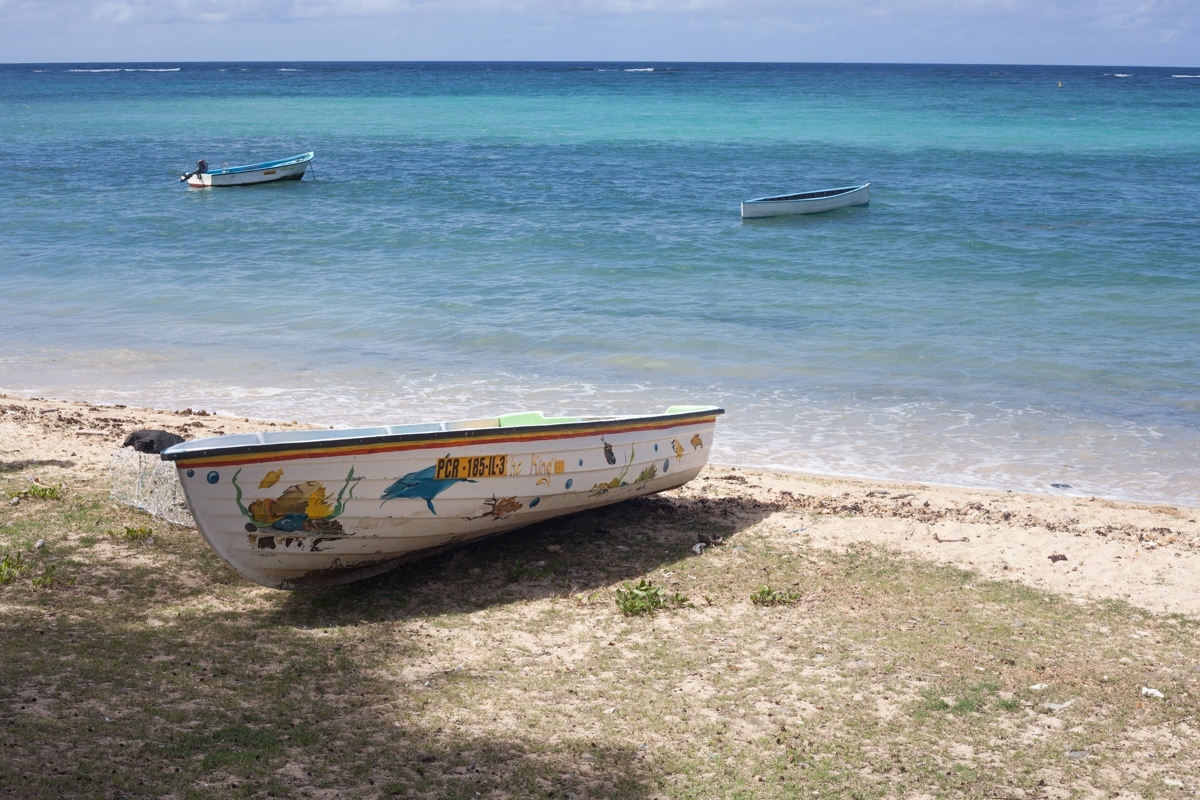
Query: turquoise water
{"points": [[1017, 307]]}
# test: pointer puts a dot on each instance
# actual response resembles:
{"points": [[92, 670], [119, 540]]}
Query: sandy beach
{"points": [[1147, 555], [846, 638]]}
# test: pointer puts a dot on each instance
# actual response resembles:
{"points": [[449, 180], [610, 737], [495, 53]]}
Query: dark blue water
{"points": [[1018, 305]]}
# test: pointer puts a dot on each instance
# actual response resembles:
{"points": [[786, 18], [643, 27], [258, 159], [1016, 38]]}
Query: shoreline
{"points": [[237, 423], [1141, 553]]}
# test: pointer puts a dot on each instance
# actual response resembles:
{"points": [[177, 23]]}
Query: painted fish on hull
{"points": [[270, 479], [420, 485]]}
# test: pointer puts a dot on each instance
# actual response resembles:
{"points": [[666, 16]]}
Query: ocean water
{"points": [[1019, 306]]}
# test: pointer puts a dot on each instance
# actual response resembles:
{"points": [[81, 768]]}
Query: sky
{"points": [[1083, 32]]}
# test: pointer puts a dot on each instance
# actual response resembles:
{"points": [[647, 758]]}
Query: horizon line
{"points": [[605, 61]]}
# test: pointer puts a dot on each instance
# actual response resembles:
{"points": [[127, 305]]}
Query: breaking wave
{"points": [[129, 69]]}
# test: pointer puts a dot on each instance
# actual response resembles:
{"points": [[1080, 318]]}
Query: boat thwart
{"points": [[309, 509]]}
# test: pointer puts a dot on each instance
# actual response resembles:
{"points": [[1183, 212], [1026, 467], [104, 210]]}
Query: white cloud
{"points": [[1118, 14], [996, 31]]}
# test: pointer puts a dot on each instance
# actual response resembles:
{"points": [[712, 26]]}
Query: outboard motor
{"points": [[201, 168]]}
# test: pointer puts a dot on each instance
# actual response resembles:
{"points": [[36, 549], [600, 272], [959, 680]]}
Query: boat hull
{"points": [[271, 172], [329, 515], [768, 207]]}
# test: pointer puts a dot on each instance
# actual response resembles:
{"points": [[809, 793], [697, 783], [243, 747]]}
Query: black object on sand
{"points": [[151, 441]]}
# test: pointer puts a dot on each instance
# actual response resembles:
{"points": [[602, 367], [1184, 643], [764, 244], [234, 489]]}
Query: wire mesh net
{"points": [[147, 482]]}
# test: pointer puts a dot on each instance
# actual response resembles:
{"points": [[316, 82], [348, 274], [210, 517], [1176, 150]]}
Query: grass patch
{"points": [[49, 578], [535, 572], [131, 533], [162, 673], [967, 699]]}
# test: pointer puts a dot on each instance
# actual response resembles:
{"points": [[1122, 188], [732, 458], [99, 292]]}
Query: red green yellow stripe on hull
{"points": [[333, 451]]}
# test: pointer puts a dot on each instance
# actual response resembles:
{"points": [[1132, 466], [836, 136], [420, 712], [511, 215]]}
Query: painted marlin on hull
{"points": [[420, 485]]}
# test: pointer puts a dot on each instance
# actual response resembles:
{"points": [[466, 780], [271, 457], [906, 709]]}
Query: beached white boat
{"points": [[806, 202], [286, 169], [308, 509]]}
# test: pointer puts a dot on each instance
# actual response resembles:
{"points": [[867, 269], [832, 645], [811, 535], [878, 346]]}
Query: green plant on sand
{"points": [[645, 598], [50, 578], [11, 567], [45, 492], [766, 596], [133, 534]]}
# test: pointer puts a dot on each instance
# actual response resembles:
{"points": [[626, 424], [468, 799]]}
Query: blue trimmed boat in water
{"points": [[285, 169], [806, 202]]}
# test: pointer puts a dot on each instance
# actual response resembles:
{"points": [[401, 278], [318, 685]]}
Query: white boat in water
{"points": [[309, 509], [807, 202], [286, 169]]}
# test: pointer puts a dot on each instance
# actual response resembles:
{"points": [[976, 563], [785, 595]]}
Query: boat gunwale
{"points": [[799, 197], [303, 158], [582, 427]]}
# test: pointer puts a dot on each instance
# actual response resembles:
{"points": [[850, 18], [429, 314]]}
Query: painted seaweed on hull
{"points": [[302, 508], [601, 488]]}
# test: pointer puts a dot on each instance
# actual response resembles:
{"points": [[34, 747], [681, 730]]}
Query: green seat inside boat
{"points": [[522, 419], [687, 409]]}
